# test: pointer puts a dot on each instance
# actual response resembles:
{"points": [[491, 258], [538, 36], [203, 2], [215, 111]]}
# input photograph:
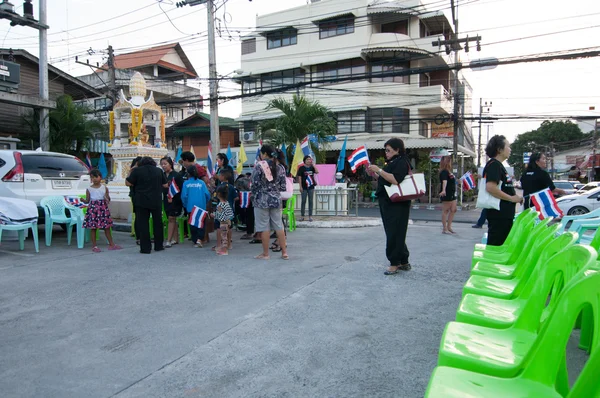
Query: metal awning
{"points": [[340, 15], [261, 116], [403, 52], [436, 21], [411, 143], [396, 7], [266, 32]]}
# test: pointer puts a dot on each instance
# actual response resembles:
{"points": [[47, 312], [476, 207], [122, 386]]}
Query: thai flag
{"points": [[309, 181], [197, 217], [358, 158], [305, 146], [88, 161], [244, 199], [75, 202], [209, 161], [468, 181], [173, 189], [545, 204]]}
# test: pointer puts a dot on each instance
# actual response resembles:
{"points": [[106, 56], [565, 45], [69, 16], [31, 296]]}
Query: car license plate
{"points": [[61, 184]]}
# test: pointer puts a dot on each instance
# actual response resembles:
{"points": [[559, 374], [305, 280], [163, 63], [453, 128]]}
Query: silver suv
{"points": [[34, 175]]}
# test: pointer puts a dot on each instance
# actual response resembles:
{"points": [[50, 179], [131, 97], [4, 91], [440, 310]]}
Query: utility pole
{"points": [[212, 70], [112, 79], [479, 141], [43, 77], [213, 82]]}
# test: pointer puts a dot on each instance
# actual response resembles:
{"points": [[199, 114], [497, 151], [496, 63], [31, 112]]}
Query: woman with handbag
{"points": [[394, 214], [499, 221], [447, 194]]}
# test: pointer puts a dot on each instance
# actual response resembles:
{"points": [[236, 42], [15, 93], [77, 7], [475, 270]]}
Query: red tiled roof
{"points": [[153, 56]]}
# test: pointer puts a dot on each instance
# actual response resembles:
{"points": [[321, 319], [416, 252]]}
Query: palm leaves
{"points": [[301, 117], [70, 126]]}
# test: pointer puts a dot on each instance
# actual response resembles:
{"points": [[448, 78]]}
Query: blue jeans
{"points": [[307, 193], [482, 217]]}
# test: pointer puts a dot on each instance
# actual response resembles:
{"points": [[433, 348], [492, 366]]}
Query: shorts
{"points": [[268, 219]]}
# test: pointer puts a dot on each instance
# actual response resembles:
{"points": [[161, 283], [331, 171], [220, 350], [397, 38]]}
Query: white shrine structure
{"points": [[136, 128]]}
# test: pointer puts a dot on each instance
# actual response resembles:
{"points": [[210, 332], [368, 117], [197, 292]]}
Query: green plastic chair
{"points": [[512, 288], [55, 213], [289, 212], [182, 222], [523, 218], [505, 352], [21, 229], [499, 313], [526, 259], [542, 367], [523, 242]]}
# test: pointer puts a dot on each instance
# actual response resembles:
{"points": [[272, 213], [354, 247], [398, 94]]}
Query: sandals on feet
{"points": [[262, 257], [255, 241], [392, 272], [96, 249], [114, 247], [284, 256]]}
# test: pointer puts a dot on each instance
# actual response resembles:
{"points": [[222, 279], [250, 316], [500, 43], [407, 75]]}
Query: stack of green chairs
{"points": [[516, 231], [509, 339], [526, 366]]}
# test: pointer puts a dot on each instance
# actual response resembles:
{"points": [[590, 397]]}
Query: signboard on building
{"points": [[444, 130], [10, 75]]}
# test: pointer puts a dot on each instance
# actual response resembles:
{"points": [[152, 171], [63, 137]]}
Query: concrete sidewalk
{"points": [[187, 323]]}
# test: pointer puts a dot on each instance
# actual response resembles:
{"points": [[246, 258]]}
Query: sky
{"points": [[508, 28]]}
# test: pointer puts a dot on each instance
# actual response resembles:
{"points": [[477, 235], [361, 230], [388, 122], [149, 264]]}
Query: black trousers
{"points": [[395, 222], [197, 233], [498, 230], [142, 228], [248, 216]]}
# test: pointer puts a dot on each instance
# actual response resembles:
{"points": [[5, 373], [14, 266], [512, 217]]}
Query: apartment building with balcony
{"points": [[166, 70], [349, 56]]}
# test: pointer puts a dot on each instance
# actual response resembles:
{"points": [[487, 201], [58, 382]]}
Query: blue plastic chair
{"points": [[22, 228], [55, 210]]}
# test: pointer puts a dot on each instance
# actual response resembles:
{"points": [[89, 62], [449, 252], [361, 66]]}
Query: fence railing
{"points": [[332, 201]]}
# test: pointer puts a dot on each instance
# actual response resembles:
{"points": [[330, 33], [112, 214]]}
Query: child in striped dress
{"points": [[223, 213]]}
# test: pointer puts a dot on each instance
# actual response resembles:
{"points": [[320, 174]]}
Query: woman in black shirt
{"points": [[499, 221], [394, 214], [536, 178], [447, 194]]}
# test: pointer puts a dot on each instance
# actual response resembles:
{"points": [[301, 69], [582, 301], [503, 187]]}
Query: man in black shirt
{"points": [[148, 182], [499, 221]]}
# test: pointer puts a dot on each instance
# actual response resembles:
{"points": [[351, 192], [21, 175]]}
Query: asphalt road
{"points": [[186, 323]]}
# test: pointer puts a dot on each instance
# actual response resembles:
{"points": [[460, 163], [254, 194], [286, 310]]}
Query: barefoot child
{"points": [[98, 214], [224, 214]]}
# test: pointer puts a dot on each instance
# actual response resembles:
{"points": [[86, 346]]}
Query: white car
{"points": [[34, 175], [589, 186], [580, 203]]}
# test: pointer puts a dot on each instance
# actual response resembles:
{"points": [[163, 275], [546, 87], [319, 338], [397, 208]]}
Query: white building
{"points": [[352, 42]]}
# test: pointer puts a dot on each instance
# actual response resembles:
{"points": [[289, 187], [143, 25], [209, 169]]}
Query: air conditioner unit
{"points": [[248, 136]]}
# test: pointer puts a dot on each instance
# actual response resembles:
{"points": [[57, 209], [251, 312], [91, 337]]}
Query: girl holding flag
{"points": [[172, 200], [447, 194]]}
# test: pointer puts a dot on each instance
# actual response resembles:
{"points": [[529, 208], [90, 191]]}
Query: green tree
{"points": [[70, 126], [540, 139], [300, 118]]}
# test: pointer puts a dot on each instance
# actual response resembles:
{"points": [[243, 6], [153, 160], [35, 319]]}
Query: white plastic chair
{"points": [[55, 211]]}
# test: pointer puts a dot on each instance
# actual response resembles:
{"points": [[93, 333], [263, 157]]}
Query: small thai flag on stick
{"points": [[304, 145], [173, 189], [88, 161], [358, 158], [545, 204], [309, 181], [197, 217], [75, 202], [468, 181], [244, 199]]}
